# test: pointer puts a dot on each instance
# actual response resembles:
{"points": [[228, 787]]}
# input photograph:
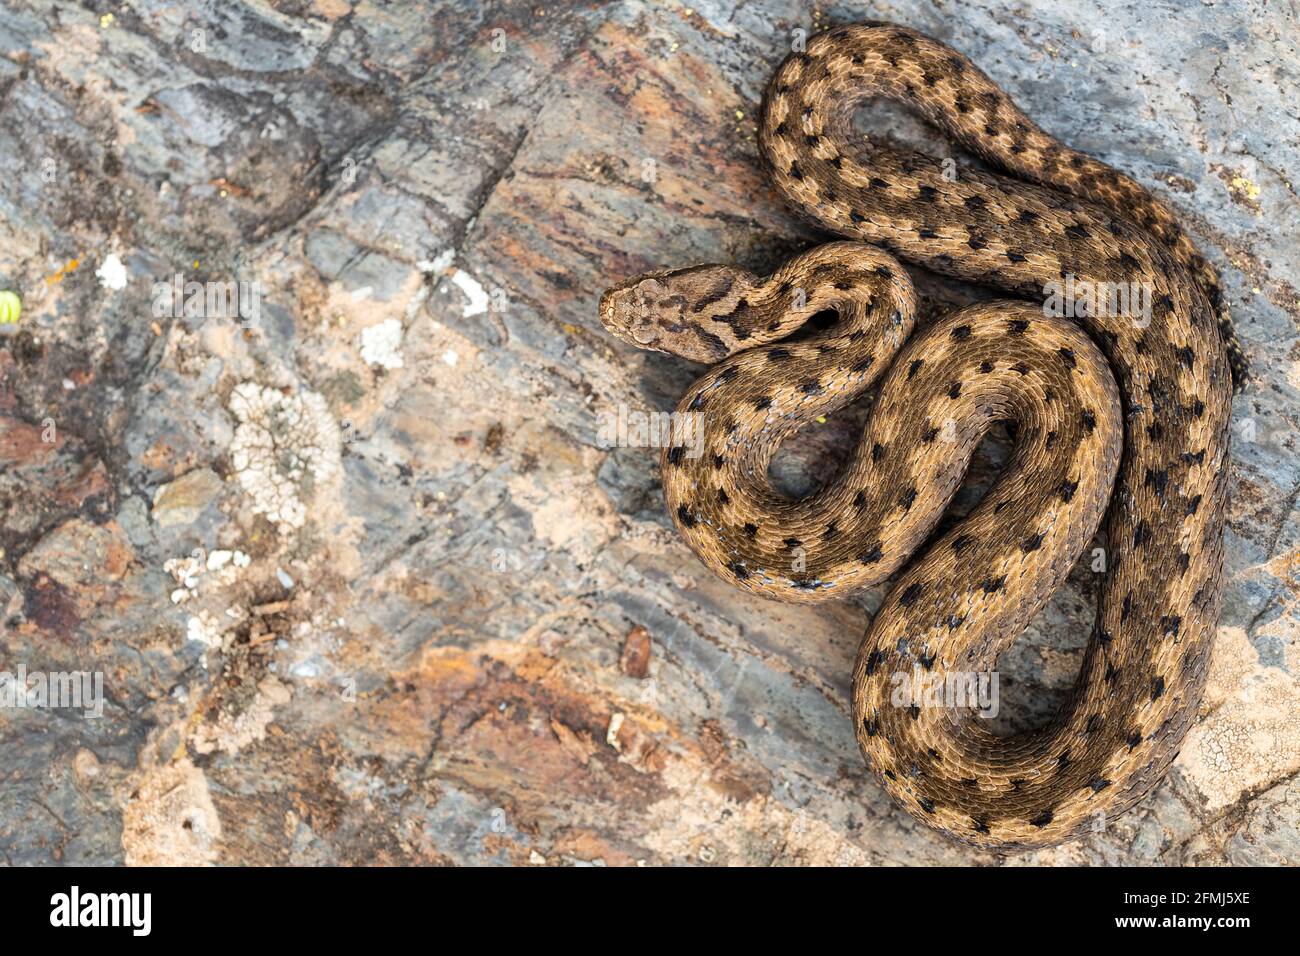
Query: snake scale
{"points": [[1114, 417]]}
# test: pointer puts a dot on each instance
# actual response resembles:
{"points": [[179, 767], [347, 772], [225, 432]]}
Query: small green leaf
{"points": [[11, 307]]}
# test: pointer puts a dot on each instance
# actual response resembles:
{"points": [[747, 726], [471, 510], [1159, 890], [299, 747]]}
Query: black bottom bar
{"points": [[332, 907]]}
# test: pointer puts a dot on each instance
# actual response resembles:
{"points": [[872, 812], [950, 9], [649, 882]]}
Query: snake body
{"points": [[1115, 418]]}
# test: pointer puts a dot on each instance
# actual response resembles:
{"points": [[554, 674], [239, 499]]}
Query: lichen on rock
{"points": [[285, 448]]}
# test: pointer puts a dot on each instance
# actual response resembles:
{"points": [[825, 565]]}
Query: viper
{"points": [[1120, 419]]}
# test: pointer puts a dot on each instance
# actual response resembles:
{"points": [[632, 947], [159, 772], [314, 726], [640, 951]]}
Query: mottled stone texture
{"points": [[362, 581]]}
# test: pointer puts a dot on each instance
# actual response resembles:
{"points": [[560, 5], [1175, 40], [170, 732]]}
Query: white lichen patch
{"points": [[1251, 739], [286, 448], [204, 629], [112, 273], [438, 263], [474, 291], [382, 344], [202, 580], [189, 571], [186, 572]]}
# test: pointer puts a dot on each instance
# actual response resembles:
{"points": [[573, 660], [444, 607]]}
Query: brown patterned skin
{"points": [[957, 606]]}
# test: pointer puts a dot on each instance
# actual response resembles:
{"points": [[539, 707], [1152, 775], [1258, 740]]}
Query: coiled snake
{"points": [[1136, 403]]}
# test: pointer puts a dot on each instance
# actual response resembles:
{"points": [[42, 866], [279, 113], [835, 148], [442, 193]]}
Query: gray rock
{"points": [[471, 558]]}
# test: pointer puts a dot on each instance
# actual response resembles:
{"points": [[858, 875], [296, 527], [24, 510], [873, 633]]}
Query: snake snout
{"points": [[631, 311]]}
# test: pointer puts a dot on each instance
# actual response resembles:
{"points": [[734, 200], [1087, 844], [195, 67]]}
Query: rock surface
{"points": [[361, 580]]}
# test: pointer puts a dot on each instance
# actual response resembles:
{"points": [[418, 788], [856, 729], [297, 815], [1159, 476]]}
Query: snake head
{"points": [[677, 312]]}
